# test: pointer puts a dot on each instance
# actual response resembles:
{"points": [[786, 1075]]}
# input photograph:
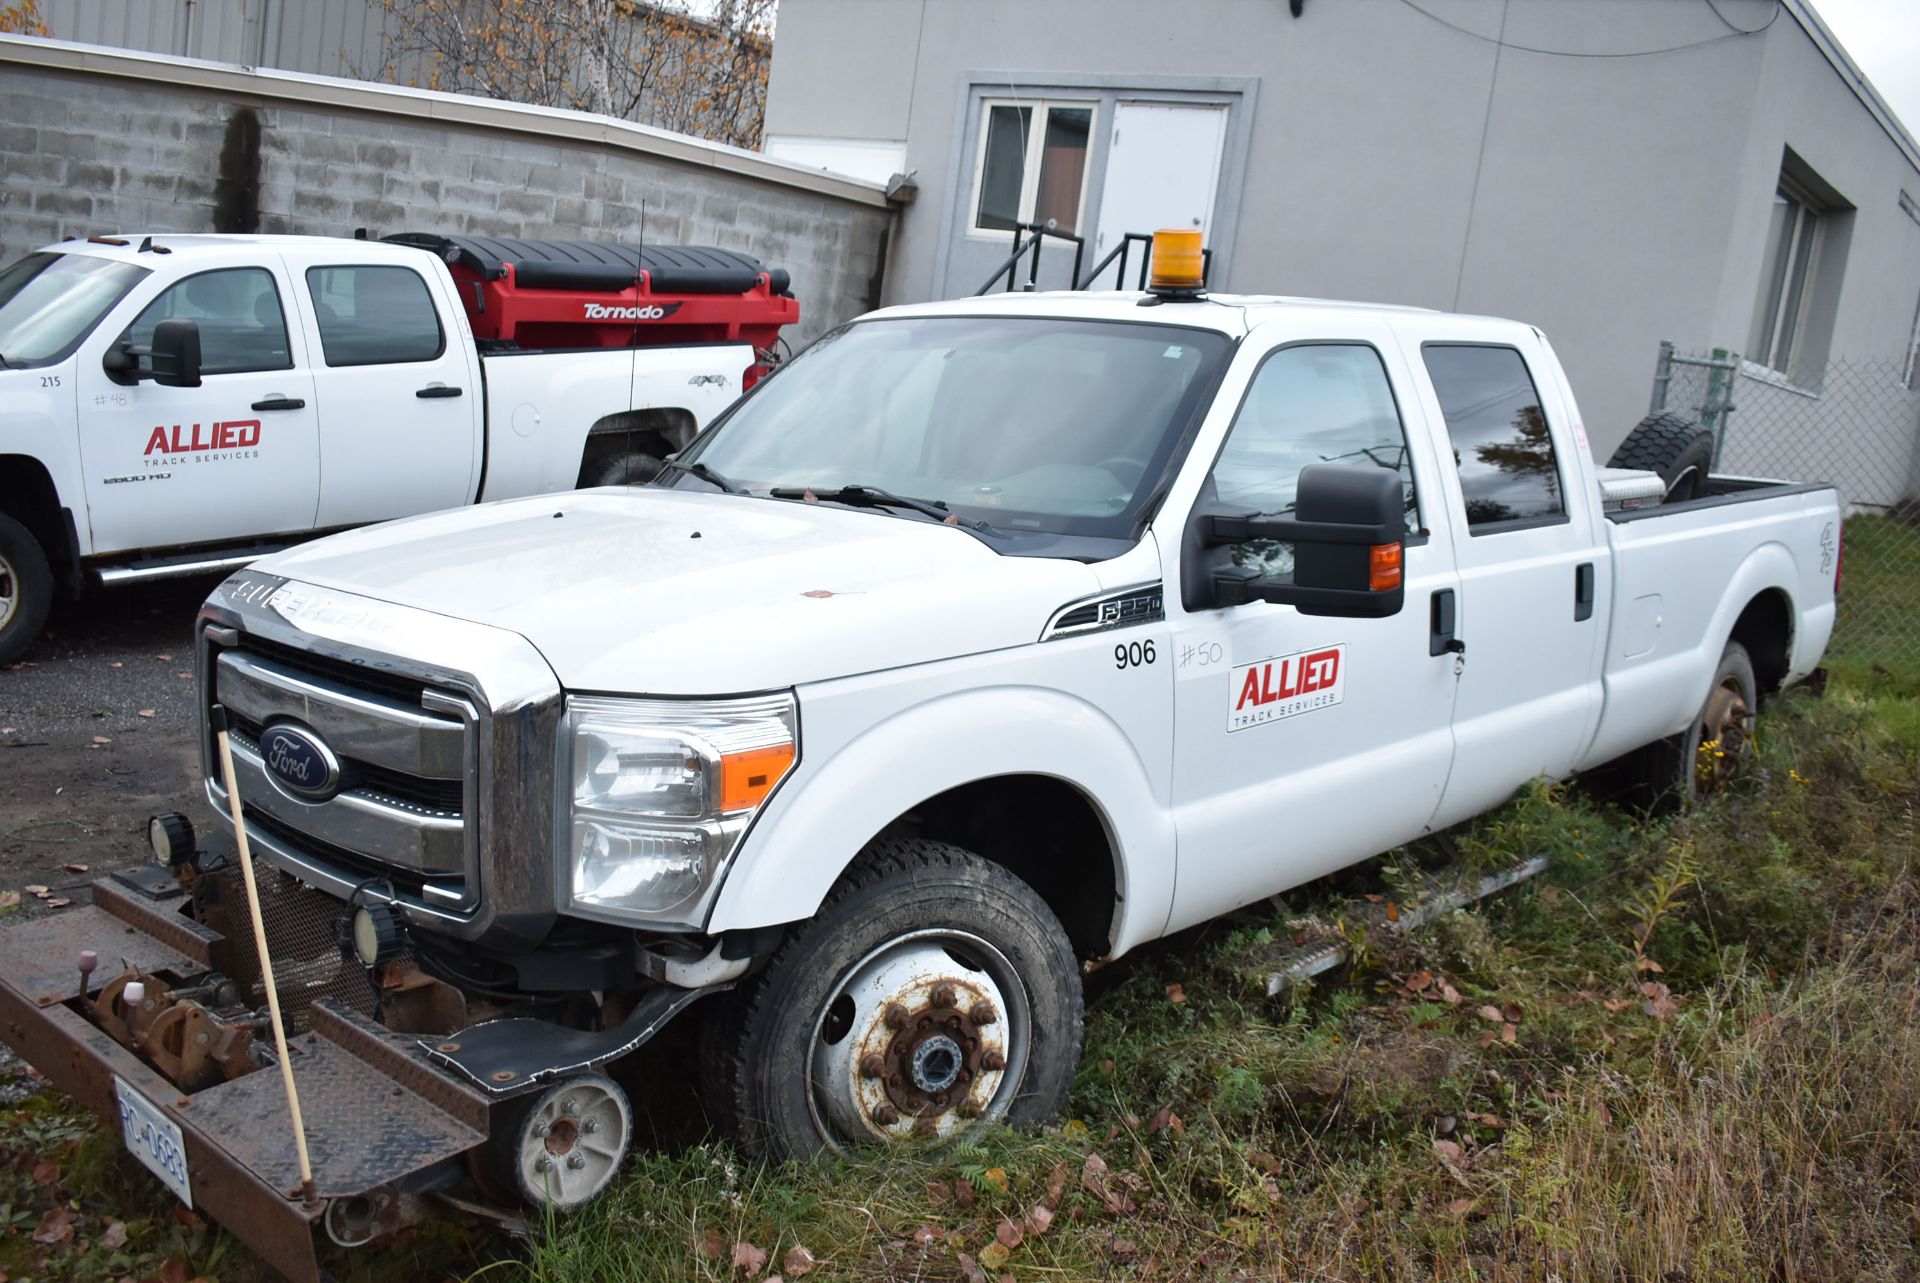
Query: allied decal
{"points": [[1270, 690], [203, 442]]}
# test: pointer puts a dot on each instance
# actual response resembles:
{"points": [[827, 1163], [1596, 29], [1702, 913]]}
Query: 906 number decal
{"points": [[1133, 654]]}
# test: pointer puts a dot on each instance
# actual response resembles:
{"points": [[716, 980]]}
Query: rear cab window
{"points": [[1510, 475], [374, 315]]}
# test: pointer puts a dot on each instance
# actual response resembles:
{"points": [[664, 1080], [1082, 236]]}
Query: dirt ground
{"points": [[96, 734]]}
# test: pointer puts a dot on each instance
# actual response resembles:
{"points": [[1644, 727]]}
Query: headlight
{"points": [[661, 792]]}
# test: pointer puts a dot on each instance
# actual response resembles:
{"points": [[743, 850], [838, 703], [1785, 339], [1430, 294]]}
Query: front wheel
{"points": [[26, 589], [933, 989]]}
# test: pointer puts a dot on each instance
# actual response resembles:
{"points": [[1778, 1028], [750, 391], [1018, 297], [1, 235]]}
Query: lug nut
{"points": [[970, 1109], [983, 1013], [896, 1016], [993, 1060], [943, 996], [542, 1163], [926, 1127], [886, 1115], [576, 1161], [872, 1066], [589, 1126]]}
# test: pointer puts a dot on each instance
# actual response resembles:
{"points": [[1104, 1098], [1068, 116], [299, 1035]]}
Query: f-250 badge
{"points": [[1270, 690]]}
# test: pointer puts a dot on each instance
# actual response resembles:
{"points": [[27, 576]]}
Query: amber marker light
{"points": [[1178, 263], [747, 777], [1383, 567]]}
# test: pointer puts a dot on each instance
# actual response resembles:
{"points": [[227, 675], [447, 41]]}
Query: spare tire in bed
{"points": [[1674, 446]]}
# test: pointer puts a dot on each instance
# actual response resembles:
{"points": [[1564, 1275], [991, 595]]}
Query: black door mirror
{"points": [[176, 354], [173, 361], [1348, 529]]}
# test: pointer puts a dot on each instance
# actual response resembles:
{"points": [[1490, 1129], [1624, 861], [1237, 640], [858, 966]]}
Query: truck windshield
{"points": [[49, 302], [1033, 424]]}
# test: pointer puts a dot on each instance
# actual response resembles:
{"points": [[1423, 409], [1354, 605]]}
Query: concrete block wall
{"points": [[83, 153]]}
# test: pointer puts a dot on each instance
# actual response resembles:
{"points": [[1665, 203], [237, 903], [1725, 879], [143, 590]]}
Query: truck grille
{"points": [[403, 808]]}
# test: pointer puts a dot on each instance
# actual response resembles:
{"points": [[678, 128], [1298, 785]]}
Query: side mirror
{"points": [[176, 354], [173, 361], [1347, 530]]}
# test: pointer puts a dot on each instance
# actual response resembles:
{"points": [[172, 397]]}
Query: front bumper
{"points": [[381, 1122]]}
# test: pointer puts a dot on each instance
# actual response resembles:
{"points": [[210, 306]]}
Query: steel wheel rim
{"points": [[848, 1103], [572, 1145], [1725, 728], [9, 592]]}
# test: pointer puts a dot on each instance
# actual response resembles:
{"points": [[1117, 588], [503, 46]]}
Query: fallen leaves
{"points": [[1660, 1003], [798, 1261], [55, 1227], [748, 1259], [1176, 993]]}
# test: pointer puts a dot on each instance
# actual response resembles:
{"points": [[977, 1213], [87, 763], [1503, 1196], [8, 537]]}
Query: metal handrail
{"points": [[1036, 236]]}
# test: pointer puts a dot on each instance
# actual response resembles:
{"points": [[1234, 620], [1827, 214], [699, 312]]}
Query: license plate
{"points": [[154, 1139]]}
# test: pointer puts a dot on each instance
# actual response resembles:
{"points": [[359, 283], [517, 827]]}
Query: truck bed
{"points": [[1684, 574]]}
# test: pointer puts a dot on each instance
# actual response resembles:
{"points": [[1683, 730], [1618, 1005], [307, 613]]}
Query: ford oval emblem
{"points": [[300, 762]]}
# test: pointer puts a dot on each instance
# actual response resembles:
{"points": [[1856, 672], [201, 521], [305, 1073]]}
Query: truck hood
{"points": [[663, 592]]}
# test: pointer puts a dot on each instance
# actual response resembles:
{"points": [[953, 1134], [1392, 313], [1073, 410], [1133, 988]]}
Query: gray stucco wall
{"points": [[1612, 201], [85, 153]]}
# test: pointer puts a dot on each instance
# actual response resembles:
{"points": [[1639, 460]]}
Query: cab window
{"points": [[237, 311], [1501, 443], [374, 315], [1307, 404]]}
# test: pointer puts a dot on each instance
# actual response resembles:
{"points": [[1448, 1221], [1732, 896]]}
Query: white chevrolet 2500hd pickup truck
{"points": [[985, 639], [173, 404]]}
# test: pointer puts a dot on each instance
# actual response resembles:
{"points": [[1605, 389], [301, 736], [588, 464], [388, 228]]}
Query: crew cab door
{"points": [[1531, 573], [400, 392], [236, 458], [1304, 743]]}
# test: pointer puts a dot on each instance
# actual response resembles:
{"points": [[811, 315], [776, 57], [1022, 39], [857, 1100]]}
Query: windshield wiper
{"points": [[875, 497], [704, 473]]}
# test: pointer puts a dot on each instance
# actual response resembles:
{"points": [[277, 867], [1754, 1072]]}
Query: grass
{"points": [[1689, 1052]]}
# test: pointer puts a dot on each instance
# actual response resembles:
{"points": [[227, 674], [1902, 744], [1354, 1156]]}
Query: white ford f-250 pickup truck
{"points": [[984, 639], [173, 404]]}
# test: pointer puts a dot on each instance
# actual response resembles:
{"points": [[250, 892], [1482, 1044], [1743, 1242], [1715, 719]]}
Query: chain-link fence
{"points": [[1859, 429]]}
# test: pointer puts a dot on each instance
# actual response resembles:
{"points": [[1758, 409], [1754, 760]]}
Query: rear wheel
{"points": [[933, 989], [1674, 446], [26, 589], [1707, 757]]}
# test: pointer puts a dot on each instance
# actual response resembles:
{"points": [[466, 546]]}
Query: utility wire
{"points": [[1733, 33]]}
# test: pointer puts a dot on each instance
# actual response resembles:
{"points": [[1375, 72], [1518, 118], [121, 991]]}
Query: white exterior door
{"points": [[1304, 743], [1163, 170], [233, 459], [400, 392]]}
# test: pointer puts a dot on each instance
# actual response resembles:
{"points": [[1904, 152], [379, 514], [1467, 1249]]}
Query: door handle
{"points": [[1440, 638], [436, 390], [280, 403], [1583, 591]]}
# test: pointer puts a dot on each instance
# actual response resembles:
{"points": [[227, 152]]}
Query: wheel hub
{"points": [[926, 1042], [9, 591], [1723, 736]]}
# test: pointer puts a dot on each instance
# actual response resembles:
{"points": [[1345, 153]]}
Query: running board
{"points": [[1440, 895], [142, 571]]}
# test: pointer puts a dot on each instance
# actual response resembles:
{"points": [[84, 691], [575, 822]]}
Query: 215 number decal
{"points": [[1133, 654]]}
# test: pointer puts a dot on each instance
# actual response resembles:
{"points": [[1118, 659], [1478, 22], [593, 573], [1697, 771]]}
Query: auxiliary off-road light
{"points": [[377, 934], [170, 834]]}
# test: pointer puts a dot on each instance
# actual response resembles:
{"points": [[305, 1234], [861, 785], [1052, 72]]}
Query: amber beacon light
{"points": [[1179, 267]]}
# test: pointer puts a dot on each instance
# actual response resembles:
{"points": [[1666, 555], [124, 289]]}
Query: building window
{"points": [[1032, 165], [1780, 313], [1913, 353]]}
